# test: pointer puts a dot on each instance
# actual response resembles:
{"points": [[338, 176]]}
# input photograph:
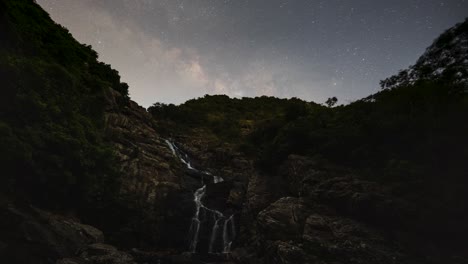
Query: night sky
{"points": [[174, 50]]}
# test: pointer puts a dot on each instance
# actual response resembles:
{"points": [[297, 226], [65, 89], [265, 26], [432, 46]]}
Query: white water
{"points": [[214, 232], [228, 237], [171, 146], [184, 159], [229, 229], [182, 156], [195, 226]]}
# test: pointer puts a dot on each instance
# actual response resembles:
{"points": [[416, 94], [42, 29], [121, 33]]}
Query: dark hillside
{"points": [[51, 111]]}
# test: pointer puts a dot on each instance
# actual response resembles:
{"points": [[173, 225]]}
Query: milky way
{"points": [[173, 50]]}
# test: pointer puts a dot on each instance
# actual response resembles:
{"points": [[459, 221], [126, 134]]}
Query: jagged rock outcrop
{"points": [[446, 58]]}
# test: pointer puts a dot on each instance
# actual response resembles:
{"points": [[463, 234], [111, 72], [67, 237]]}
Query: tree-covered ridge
{"points": [[52, 110], [366, 133], [230, 119]]}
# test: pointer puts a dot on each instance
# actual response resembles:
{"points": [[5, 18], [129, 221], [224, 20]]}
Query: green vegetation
{"points": [[52, 112], [229, 119]]}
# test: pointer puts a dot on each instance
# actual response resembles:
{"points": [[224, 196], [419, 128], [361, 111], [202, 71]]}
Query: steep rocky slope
{"points": [[445, 59], [154, 187]]}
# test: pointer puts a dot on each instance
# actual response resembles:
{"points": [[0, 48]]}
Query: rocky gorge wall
{"points": [[309, 211]]}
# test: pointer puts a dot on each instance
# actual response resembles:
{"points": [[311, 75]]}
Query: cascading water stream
{"points": [[182, 156], [195, 226], [229, 229], [214, 232], [228, 234]]}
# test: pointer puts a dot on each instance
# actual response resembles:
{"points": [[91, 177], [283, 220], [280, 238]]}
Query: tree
{"points": [[331, 101]]}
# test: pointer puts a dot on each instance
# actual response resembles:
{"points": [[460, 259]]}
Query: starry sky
{"points": [[174, 50]]}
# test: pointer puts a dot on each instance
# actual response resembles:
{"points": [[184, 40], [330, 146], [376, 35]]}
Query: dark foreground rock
{"points": [[30, 235]]}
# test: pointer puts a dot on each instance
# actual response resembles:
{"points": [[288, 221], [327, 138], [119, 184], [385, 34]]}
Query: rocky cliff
{"points": [[155, 189]]}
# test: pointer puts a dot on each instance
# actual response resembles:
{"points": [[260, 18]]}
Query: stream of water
{"points": [[202, 213]]}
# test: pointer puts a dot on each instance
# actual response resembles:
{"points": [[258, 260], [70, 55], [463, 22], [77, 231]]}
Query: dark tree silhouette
{"points": [[331, 101]]}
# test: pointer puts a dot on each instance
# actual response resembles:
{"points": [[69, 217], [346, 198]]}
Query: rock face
{"points": [[155, 187]]}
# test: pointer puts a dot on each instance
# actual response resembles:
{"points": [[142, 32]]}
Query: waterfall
{"points": [[171, 146], [195, 226], [214, 232], [228, 234], [182, 156], [229, 229], [217, 216]]}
